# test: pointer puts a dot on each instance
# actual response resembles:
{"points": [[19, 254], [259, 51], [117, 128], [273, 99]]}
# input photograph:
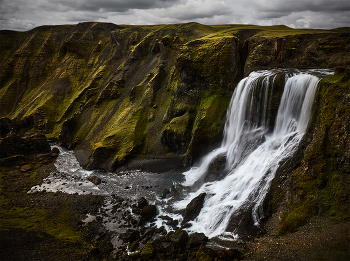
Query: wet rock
{"points": [[186, 225], [179, 237], [133, 247], [216, 168], [148, 212], [55, 152], [165, 192], [130, 236], [149, 232], [94, 179], [166, 218], [194, 207], [197, 239], [142, 202]]}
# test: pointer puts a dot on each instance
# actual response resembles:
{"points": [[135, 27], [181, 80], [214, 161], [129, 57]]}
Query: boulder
{"points": [[197, 239], [179, 237], [94, 179], [148, 212], [147, 251], [193, 208], [216, 169], [130, 236], [142, 202], [54, 152]]}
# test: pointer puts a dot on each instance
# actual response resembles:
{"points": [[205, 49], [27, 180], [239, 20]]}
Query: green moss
{"points": [[147, 251], [210, 115], [55, 222], [179, 125]]}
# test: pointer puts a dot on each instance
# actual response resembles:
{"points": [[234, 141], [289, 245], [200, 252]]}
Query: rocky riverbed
{"points": [[48, 213]]}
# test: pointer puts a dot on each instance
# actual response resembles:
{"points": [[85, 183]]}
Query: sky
{"points": [[22, 15]]}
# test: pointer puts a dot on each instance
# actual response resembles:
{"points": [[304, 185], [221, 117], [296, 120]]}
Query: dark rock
{"points": [[67, 130], [5, 127], [13, 145], [193, 208], [148, 212], [55, 151], [179, 237], [130, 236], [216, 169], [94, 179], [197, 239], [149, 232], [165, 192], [173, 223], [133, 247], [186, 225], [166, 218], [142, 202], [158, 245], [169, 248]]}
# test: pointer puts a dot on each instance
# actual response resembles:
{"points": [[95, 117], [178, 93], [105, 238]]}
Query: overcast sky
{"points": [[27, 14]]}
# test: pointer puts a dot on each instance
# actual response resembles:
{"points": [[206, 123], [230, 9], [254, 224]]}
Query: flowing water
{"points": [[255, 142], [251, 150]]}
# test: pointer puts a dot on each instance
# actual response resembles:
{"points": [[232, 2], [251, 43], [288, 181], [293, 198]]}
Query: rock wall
{"points": [[316, 180], [114, 93]]}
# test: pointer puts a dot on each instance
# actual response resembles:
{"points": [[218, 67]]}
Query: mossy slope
{"points": [[117, 92]]}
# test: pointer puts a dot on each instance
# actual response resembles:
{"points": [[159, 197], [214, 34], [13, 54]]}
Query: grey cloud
{"points": [[7, 7], [189, 11], [265, 9]]}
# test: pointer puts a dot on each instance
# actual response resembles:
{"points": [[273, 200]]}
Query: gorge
{"points": [[155, 98]]}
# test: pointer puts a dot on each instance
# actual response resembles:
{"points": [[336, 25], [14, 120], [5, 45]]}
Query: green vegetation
{"points": [[112, 90]]}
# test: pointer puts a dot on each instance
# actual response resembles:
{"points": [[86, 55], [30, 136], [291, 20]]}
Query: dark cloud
{"points": [[109, 5], [26, 14]]}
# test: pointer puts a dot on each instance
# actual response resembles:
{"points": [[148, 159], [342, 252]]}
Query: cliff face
{"points": [[114, 92]]}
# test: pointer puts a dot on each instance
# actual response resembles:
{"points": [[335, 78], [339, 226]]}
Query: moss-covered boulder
{"points": [[147, 252]]}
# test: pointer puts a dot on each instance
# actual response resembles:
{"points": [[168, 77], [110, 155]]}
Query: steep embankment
{"points": [[316, 180], [114, 92]]}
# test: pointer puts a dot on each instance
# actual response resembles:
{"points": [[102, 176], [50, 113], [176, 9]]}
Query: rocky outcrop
{"points": [[13, 145]]}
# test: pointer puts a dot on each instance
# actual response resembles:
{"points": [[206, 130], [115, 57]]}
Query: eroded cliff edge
{"points": [[114, 93]]}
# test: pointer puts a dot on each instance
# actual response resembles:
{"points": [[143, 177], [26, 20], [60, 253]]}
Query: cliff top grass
{"points": [[210, 31], [216, 30]]}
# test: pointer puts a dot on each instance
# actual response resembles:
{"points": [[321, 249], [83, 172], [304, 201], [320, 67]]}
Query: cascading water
{"points": [[253, 150]]}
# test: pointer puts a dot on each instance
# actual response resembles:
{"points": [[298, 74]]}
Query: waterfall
{"points": [[254, 144]]}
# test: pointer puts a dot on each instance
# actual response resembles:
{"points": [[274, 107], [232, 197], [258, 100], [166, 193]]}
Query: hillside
{"points": [[119, 92]]}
